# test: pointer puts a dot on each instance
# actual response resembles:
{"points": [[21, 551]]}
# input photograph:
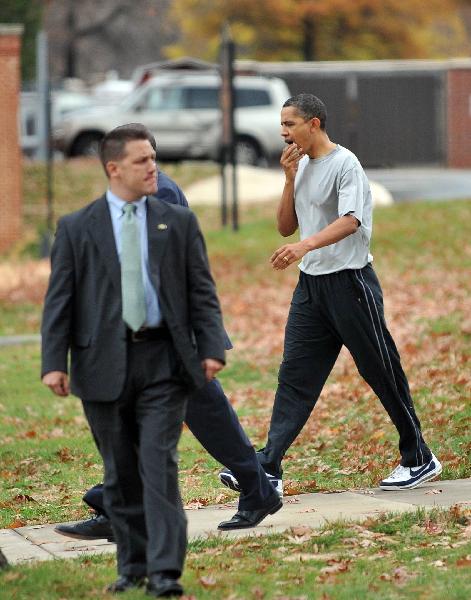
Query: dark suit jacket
{"points": [[82, 311], [168, 191]]}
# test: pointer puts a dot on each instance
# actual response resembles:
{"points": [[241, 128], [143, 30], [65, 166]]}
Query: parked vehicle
{"points": [[62, 104], [182, 110]]}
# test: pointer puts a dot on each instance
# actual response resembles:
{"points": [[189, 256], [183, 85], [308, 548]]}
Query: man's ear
{"points": [[111, 168], [315, 123]]}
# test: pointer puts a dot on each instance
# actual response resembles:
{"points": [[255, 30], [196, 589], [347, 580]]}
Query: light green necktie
{"points": [[132, 285]]}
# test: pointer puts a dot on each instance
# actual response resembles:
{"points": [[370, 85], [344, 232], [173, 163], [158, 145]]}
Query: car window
{"points": [[201, 97], [161, 99], [208, 97], [250, 97], [164, 98]]}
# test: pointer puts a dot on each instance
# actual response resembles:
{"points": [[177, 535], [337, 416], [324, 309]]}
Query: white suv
{"points": [[182, 111]]}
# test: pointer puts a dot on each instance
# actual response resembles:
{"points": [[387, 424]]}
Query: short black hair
{"points": [[113, 143], [308, 106]]}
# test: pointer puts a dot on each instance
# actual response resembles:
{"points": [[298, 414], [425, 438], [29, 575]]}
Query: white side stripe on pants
{"points": [[365, 286]]}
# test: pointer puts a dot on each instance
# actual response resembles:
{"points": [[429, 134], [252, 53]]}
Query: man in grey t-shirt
{"points": [[338, 300]]}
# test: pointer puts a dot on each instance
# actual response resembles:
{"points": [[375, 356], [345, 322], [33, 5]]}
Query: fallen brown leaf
{"points": [[65, 455], [24, 498], [464, 562], [208, 581], [220, 498], [433, 528], [16, 523], [467, 532], [337, 567], [301, 530], [379, 555], [302, 557], [57, 432], [438, 563], [195, 505], [299, 539], [12, 576], [351, 541], [401, 575]]}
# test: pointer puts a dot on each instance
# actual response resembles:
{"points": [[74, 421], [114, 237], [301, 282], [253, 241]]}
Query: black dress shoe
{"points": [[161, 586], [244, 519], [96, 528], [125, 583]]}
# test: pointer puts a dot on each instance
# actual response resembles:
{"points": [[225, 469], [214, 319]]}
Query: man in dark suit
{"points": [[131, 296], [225, 440]]}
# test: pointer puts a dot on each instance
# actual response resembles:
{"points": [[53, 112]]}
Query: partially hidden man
{"points": [[132, 298]]}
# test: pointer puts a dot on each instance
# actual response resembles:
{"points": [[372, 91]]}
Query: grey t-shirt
{"points": [[325, 189]]}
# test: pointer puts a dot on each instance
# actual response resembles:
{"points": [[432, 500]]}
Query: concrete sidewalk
{"points": [[257, 184], [39, 542]]}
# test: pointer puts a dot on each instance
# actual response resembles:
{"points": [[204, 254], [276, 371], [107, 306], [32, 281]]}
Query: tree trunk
{"points": [[309, 38], [71, 51]]}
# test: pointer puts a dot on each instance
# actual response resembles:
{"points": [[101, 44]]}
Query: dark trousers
{"points": [[328, 311], [137, 436], [214, 423]]}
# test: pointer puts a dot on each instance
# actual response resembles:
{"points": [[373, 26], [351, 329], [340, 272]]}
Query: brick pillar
{"points": [[459, 117], [10, 153]]}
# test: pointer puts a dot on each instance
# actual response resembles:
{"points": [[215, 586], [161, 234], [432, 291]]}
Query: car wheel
{"points": [[87, 144], [247, 152]]}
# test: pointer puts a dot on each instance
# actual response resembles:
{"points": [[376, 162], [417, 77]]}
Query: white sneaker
{"points": [[277, 484], [410, 477], [228, 479]]}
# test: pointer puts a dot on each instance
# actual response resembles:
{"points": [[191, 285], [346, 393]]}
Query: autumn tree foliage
{"points": [[322, 29]]}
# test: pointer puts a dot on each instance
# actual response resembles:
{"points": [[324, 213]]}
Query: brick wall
{"points": [[10, 155], [459, 118]]}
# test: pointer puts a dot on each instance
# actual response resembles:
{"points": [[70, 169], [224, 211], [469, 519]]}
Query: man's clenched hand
{"points": [[211, 367], [58, 382]]}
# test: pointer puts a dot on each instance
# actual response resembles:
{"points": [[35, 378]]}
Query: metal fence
{"points": [[389, 113]]}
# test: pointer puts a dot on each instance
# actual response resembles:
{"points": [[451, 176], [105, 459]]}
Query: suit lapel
{"points": [[158, 225], [101, 230]]}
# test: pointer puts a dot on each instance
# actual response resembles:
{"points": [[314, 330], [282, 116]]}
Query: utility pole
{"points": [[228, 154], [44, 134]]}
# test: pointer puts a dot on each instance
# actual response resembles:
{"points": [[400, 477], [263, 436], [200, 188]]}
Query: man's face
{"points": [[294, 128], [134, 175]]}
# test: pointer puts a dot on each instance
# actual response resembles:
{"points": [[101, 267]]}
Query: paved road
{"points": [[424, 183], [17, 340]]}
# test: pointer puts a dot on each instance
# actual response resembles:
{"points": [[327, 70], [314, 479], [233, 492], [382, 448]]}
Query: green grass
{"points": [[46, 450], [414, 555], [47, 457], [19, 318], [77, 182], [418, 235]]}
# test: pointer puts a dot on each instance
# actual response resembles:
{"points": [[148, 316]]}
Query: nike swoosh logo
{"points": [[422, 469]]}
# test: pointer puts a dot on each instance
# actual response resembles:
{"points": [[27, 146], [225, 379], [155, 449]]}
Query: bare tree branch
{"points": [[98, 26]]}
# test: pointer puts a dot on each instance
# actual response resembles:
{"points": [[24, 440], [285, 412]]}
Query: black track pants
{"points": [[328, 311]]}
